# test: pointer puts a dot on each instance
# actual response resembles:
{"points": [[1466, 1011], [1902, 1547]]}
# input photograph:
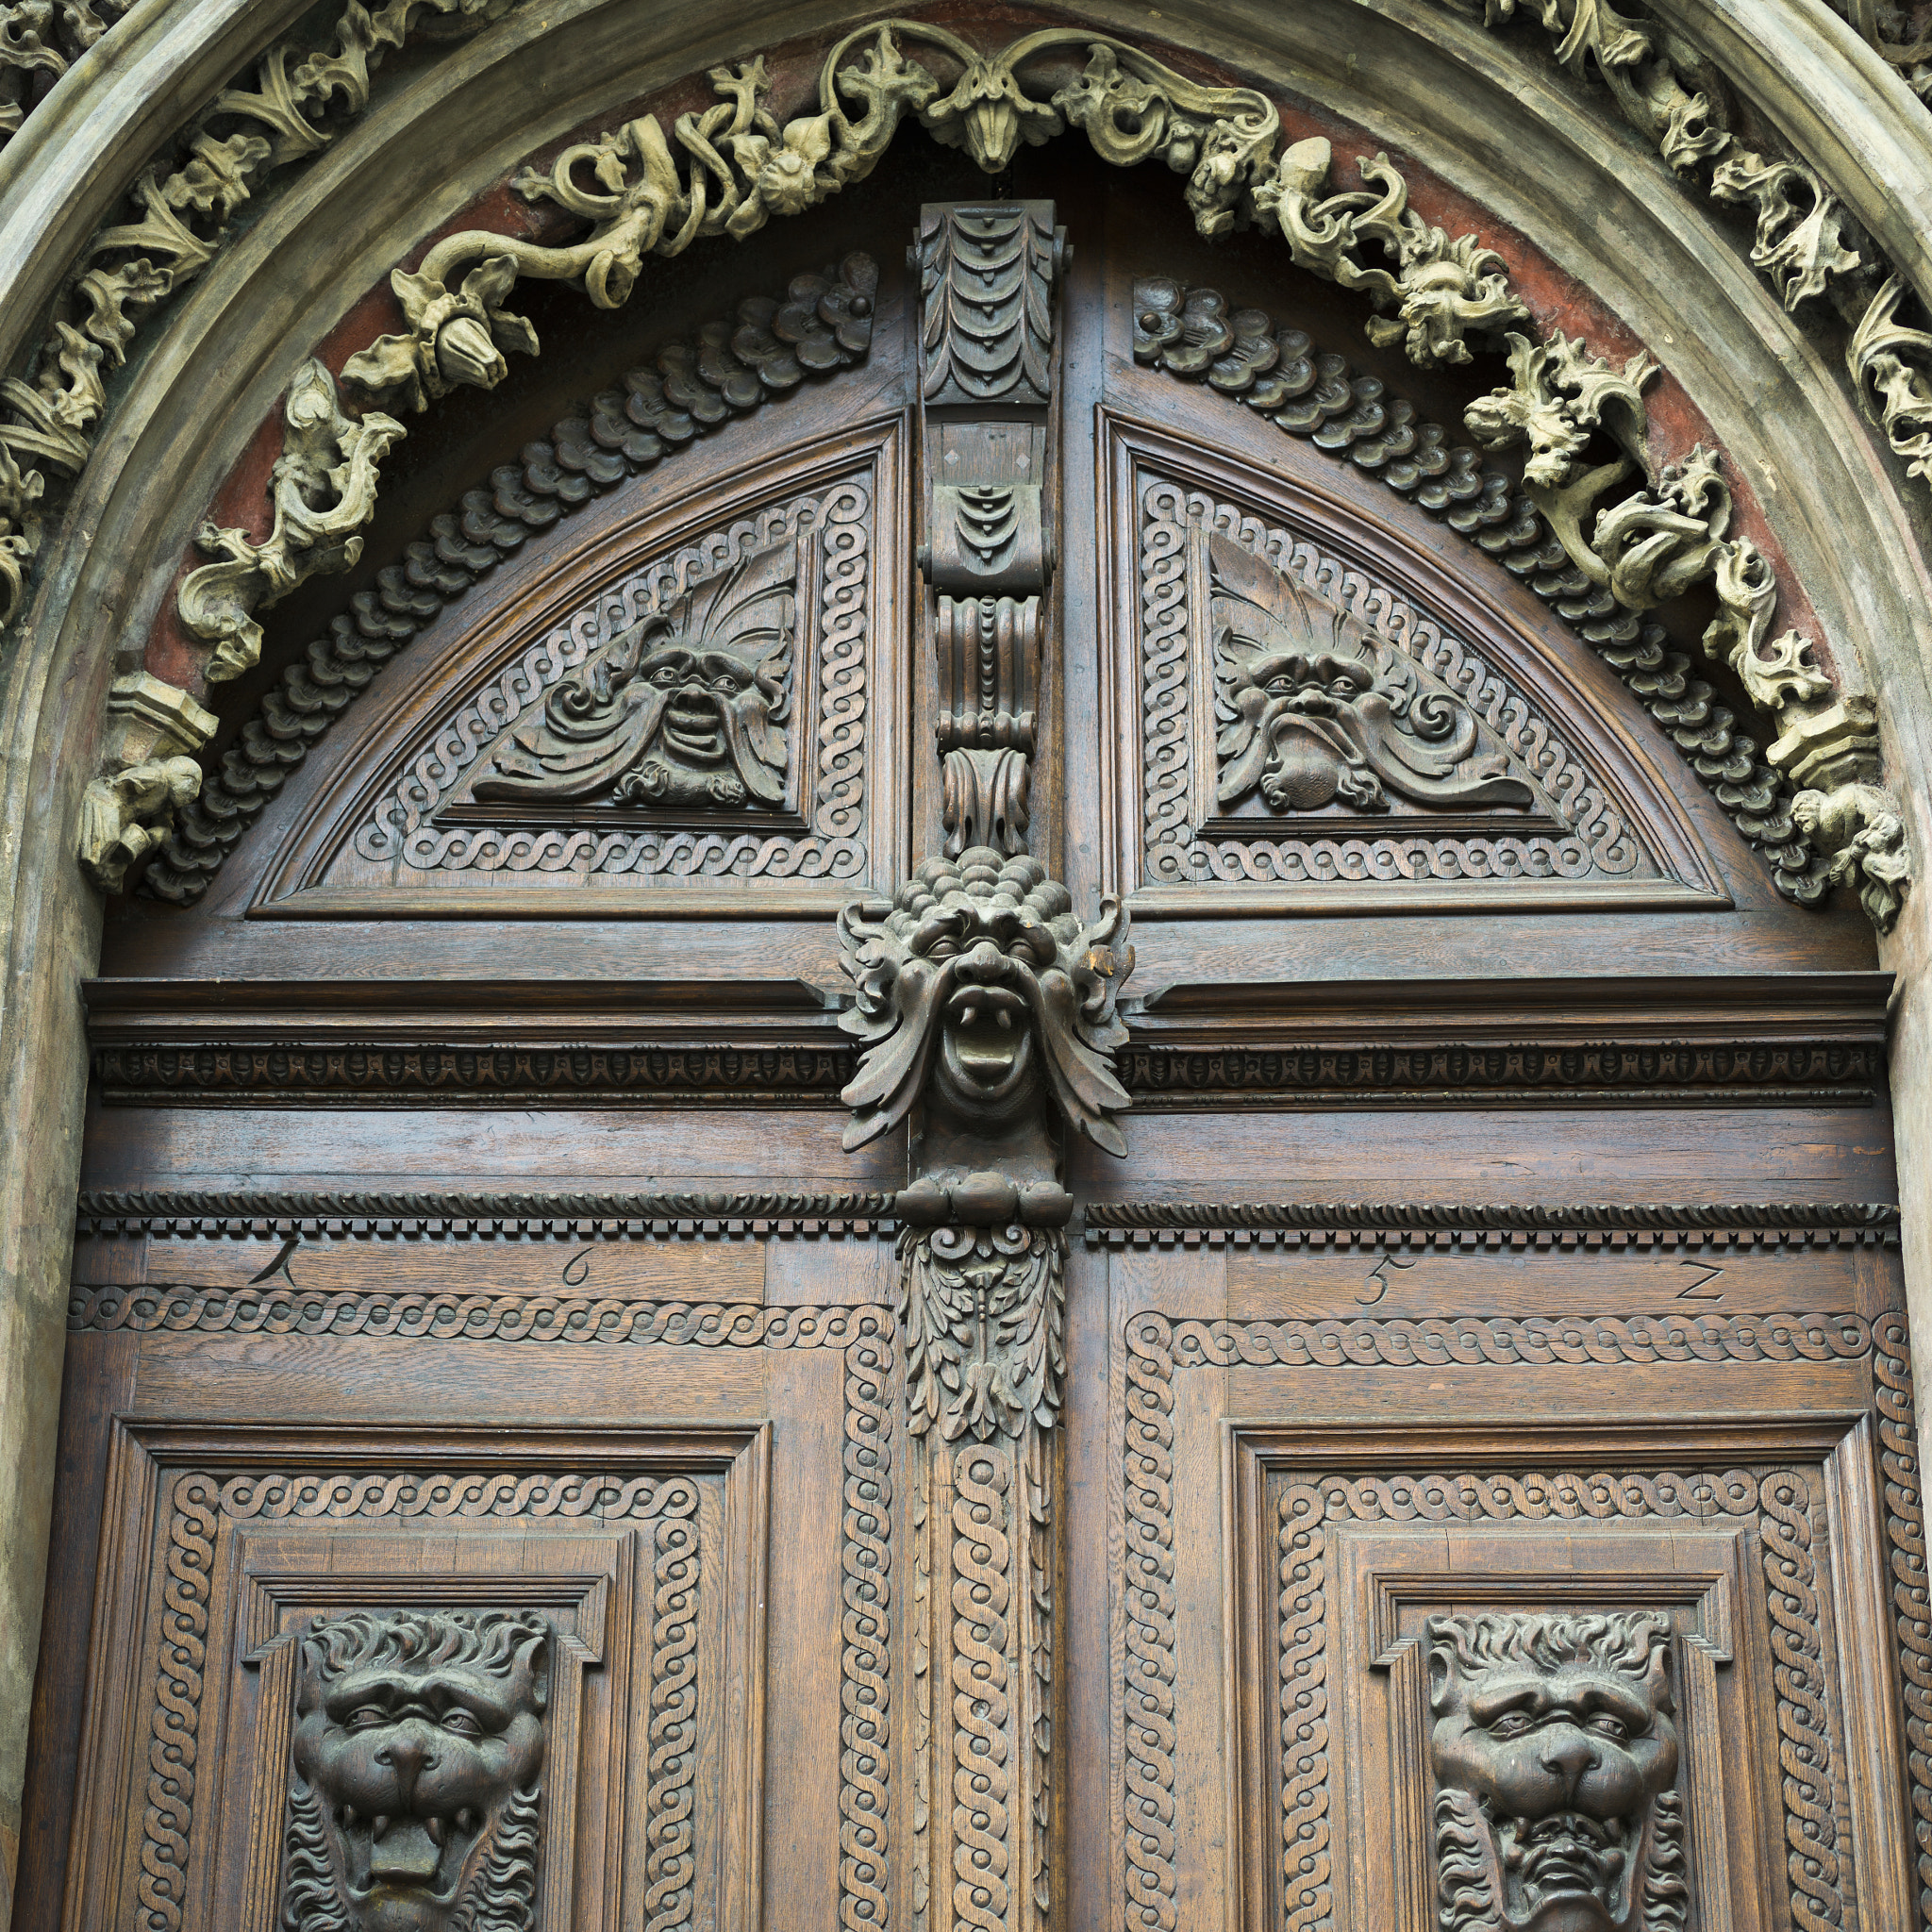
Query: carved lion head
{"points": [[418, 1740], [979, 980], [1553, 1755]]}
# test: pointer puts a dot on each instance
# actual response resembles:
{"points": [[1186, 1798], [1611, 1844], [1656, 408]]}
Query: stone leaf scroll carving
{"points": [[1671, 535], [1555, 1757], [1309, 717], [417, 1756], [686, 708]]}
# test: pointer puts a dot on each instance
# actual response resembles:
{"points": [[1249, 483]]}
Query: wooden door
{"points": [[535, 1455]]}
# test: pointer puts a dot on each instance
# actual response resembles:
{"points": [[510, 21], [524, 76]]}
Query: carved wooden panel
{"points": [[422, 1678], [1435, 1623], [1315, 728], [696, 715]]}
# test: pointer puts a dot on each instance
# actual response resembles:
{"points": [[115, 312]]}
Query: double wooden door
{"points": [[510, 1477]]}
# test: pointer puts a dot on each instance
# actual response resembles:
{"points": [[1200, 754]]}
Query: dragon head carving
{"points": [[980, 989]]}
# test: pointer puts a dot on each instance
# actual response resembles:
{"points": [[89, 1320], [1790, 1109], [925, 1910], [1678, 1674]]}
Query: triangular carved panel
{"points": [[1314, 735], [698, 728]]}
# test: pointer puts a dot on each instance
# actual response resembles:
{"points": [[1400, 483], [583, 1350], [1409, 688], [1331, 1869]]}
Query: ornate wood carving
{"points": [[1301, 660], [1311, 713], [767, 347], [1778, 1502], [1555, 1760], [685, 708], [418, 1753], [1192, 334], [987, 278], [983, 996], [594, 754]]}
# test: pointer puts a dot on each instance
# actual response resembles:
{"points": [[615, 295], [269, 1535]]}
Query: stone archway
{"points": [[1485, 113]]}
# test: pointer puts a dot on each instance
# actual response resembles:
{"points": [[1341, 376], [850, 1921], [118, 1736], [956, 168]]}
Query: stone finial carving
{"points": [[686, 708], [418, 1744], [322, 488], [1555, 1756], [1310, 715], [982, 994]]}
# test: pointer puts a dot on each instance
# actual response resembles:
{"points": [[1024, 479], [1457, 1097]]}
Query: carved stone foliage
{"points": [[1357, 738], [185, 205], [983, 995], [323, 491], [1671, 535], [1309, 717], [1194, 335], [765, 348], [733, 167], [686, 708], [1554, 1758], [418, 1749], [704, 718], [38, 41]]}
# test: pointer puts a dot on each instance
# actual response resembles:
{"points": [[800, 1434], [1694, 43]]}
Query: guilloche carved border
{"points": [[1779, 1500]]}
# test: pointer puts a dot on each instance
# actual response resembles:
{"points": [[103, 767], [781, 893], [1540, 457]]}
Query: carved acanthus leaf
{"points": [[1893, 363], [1561, 393], [982, 1308], [1800, 224], [322, 488]]}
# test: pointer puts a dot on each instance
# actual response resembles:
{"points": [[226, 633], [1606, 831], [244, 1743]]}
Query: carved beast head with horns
{"points": [[979, 979]]}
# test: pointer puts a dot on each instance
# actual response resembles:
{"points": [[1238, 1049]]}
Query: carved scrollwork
{"points": [[1555, 1756], [981, 992], [183, 214], [322, 488], [685, 708], [418, 1747], [1310, 713]]}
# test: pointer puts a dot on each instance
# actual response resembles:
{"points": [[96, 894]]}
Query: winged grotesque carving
{"points": [[980, 991], [1555, 1757], [1310, 711], [686, 708]]}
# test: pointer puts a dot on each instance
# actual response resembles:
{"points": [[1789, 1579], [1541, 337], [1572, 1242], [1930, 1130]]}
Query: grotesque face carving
{"points": [[417, 1742], [1553, 1755], [686, 708], [1310, 713], [979, 979]]}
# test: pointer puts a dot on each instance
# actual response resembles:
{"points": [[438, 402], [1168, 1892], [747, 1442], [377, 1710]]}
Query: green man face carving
{"points": [[1554, 1754], [417, 1747]]}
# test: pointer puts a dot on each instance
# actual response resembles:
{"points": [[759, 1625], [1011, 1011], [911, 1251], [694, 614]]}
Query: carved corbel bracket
{"points": [[322, 488], [148, 775]]}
